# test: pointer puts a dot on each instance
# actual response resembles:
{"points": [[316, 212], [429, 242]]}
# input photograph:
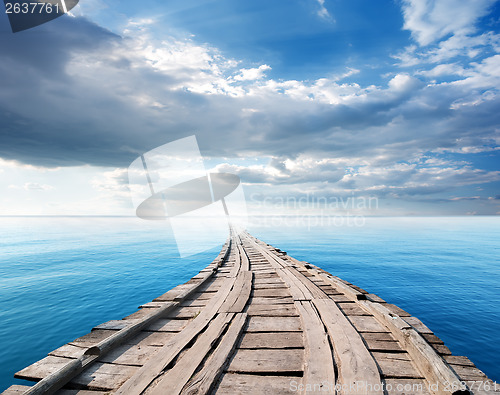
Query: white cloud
{"points": [[323, 12], [432, 20], [252, 74]]}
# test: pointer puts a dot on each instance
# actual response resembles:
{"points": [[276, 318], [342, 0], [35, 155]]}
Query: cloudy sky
{"points": [[393, 99]]}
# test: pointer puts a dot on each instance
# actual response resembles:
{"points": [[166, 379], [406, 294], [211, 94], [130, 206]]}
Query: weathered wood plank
{"points": [[174, 379], [104, 376], [272, 310], [272, 340], [269, 280], [378, 336], [274, 324], [147, 373], [351, 308], [417, 324], [156, 339], [427, 361], [155, 365], [167, 325], [130, 355], [21, 389], [278, 300], [374, 298], [243, 384], [397, 310], [267, 360], [42, 368], [375, 345], [431, 338], [238, 298], [459, 360], [271, 293], [318, 360], [98, 376], [355, 363], [366, 324], [396, 365], [270, 285], [206, 378]]}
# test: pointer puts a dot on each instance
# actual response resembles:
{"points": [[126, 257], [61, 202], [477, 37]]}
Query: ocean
{"points": [[59, 277]]}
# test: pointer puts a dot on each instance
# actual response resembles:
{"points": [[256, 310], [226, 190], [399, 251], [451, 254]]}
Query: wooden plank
{"points": [[297, 290], [103, 376], [375, 345], [184, 313], [202, 296], [351, 308], [42, 368], [441, 349], [275, 285], [378, 336], [172, 294], [459, 360], [271, 293], [68, 351], [156, 339], [274, 324], [167, 325], [21, 389], [269, 280], [272, 340], [469, 373], [132, 355], [245, 263], [205, 379], [349, 292], [397, 365], [114, 325], [366, 324], [97, 376], [266, 275], [432, 338], [146, 374], [92, 338], [417, 324], [244, 384], [355, 363], [278, 300], [428, 362], [375, 298], [238, 298], [267, 361], [174, 379], [397, 310], [318, 360], [16, 390], [193, 303], [315, 291], [338, 298], [272, 310]]}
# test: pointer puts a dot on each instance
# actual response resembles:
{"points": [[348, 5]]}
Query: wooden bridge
{"points": [[257, 321]]}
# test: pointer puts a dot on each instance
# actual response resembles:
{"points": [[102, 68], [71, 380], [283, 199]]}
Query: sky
{"points": [[319, 100]]}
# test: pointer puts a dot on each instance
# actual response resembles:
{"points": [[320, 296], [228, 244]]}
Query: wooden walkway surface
{"points": [[257, 321]]}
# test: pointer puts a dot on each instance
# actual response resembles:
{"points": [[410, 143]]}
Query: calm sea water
{"points": [[59, 277]]}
